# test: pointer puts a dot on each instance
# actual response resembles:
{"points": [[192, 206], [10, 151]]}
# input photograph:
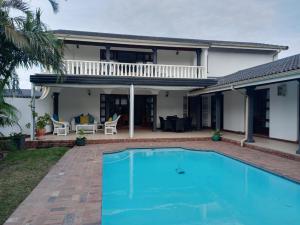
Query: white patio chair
{"points": [[60, 128], [110, 127]]}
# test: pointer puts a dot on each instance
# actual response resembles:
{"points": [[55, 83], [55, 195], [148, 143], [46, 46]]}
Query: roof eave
{"points": [[128, 41], [274, 78], [164, 42], [249, 47]]}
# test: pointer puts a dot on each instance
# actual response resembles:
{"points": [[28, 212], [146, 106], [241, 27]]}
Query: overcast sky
{"points": [[266, 21]]}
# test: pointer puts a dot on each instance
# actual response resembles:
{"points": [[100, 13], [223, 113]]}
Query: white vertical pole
{"points": [[131, 112], [32, 133], [204, 55]]}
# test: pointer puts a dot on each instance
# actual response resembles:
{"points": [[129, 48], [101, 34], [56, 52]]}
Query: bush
{"points": [[6, 144]]}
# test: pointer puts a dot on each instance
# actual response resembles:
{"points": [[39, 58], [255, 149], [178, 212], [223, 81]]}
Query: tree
{"points": [[25, 41]]}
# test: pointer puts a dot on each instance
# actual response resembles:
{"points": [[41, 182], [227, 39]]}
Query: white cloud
{"points": [[268, 21]]}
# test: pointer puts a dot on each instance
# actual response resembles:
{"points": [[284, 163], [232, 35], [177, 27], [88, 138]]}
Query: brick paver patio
{"points": [[71, 192]]}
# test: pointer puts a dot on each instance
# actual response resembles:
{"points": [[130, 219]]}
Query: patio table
{"points": [[87, 128]]}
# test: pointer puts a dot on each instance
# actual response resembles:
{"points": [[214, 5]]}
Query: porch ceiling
{"points": [[51, 79]]}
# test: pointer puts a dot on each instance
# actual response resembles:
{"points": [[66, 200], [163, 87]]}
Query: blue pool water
{"points": [[182, 187]]}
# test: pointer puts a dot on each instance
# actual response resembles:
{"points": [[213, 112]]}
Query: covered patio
{"points": [[138, 102]]}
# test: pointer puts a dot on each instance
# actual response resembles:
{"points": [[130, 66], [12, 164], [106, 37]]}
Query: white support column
{"points": [[204, 56], [32, 132], [131, 112]]}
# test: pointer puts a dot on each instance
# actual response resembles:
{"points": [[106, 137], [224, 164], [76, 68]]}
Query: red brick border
{"points": [[71, 143]]}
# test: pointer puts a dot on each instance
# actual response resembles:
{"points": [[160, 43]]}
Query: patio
{"points": [[71, 193], [282, 148]]}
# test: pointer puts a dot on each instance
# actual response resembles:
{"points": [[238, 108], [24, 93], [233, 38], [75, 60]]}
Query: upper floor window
{"points": [[127, 56]]}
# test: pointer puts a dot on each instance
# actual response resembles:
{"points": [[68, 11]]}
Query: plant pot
{"points": [[19, 142], [216, 138], [80, 141], [40, 132]]}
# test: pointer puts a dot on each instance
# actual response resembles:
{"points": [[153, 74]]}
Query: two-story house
{"points": [[148, 78]]}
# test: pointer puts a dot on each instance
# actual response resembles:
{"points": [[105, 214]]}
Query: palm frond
{"points": [[54, 5], [8, 114], [15, 4], [15, 36]]}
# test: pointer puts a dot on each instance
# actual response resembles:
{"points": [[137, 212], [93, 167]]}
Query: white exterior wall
{"points": [[284, 112], [84, 52], [171, 105], [24, 115], [222, 62], [234, 112], [169, 57], [74, 101]]}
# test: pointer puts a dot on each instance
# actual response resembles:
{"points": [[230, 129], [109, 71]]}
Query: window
{"points": [[127, 56]]}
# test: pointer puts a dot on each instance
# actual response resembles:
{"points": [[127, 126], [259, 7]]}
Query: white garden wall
{"points": [[22, 104]]}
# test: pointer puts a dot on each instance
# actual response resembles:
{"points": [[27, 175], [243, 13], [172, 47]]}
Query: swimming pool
{"points": [[173, 186]]}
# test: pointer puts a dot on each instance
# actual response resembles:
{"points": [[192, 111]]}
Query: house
{"points": [[144, 78]]}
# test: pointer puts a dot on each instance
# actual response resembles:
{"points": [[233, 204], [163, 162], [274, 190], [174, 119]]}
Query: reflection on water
{"points": [[146, 187]]}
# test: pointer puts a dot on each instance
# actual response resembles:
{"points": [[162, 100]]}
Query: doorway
{"points": [[213, 111], [261, 112], [119, 104]]}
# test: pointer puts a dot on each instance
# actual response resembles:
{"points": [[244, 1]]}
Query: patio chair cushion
{"points": [[84, 119], [77, 119], [91, 118], [115, 116], [55, 117]]}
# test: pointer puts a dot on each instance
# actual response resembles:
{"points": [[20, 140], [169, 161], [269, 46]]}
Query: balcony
{"points": [[103, 68]]}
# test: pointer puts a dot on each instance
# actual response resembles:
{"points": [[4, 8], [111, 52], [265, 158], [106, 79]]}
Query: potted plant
{"points": [[81, 139], [18, 140], [41, 123], [216, 136]]}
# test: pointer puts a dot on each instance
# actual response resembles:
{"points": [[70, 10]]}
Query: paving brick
{"points": [[58, 209], [69, 219]]}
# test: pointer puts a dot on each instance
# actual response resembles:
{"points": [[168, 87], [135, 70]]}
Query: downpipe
{"points": [[245, 114]]}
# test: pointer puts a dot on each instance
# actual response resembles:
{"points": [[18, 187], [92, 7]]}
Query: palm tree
{"points": [[24, 41]]}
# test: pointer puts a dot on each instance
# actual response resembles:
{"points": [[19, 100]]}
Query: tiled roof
{"points": [[169, 39], [279, 66]]}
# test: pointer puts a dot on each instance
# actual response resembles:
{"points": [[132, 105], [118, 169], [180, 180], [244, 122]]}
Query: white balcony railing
{"points": [[102, 68]]}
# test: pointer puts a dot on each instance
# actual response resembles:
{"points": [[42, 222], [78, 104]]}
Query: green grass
{"points": [[20, 172]]}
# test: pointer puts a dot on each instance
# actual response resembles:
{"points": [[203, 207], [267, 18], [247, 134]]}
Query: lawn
{"points": [[20, 172]]}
